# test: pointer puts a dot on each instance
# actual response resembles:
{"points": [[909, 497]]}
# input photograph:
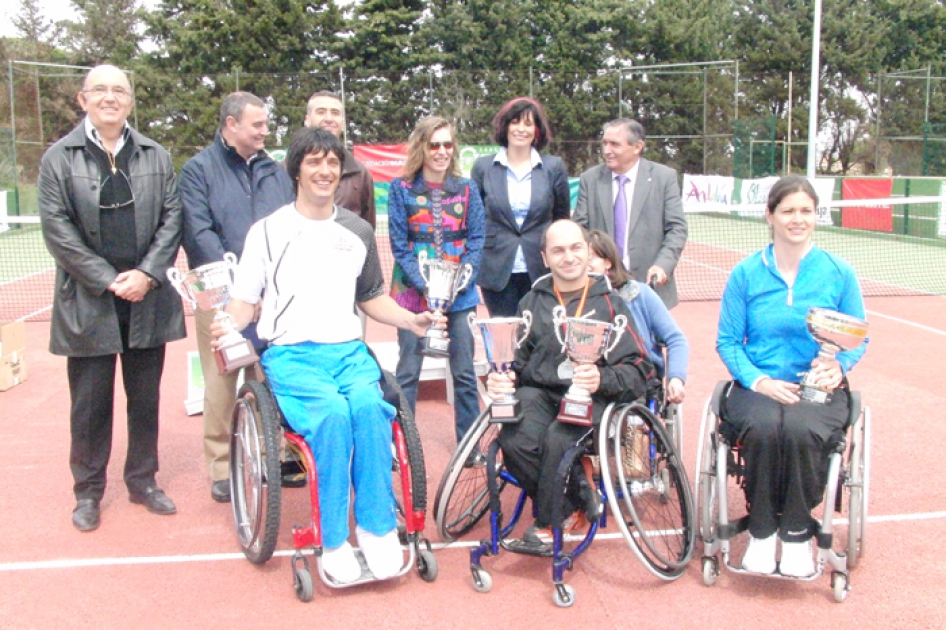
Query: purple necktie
{"points": [[620, 215]]}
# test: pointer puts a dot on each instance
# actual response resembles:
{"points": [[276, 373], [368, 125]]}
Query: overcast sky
{"points": [[56, 10]]}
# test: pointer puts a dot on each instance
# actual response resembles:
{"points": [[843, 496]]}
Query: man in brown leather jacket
{"points": [[356, 188]]}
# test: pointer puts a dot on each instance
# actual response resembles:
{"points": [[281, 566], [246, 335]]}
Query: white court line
{"points": [[908, 323], [217, 557]]}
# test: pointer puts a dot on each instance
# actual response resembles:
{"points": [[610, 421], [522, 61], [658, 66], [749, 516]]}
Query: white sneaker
{"points": [[382, 553], [341, 564], [760, 555], [797, 559]]}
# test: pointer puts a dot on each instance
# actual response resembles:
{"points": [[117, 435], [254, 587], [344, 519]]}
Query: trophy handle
{"points": [[620, 323], [174, 276], [471, 320], [558, 318], [463, 278], [231, 260], [422, 262], [526, 327]]}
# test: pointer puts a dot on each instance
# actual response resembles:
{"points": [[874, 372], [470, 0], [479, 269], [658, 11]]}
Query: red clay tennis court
{"points": [[185, 571]]}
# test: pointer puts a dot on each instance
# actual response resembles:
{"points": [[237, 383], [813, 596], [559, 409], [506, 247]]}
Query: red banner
{"points": [[875, 218], [384, 161]]}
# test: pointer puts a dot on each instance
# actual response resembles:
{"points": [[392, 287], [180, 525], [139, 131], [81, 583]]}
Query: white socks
{"points": [[341, 564], [382, 553]]}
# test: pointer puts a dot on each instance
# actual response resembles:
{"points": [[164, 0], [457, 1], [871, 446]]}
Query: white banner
{"points": [[754, 192], [824, 188], [707, 193]]}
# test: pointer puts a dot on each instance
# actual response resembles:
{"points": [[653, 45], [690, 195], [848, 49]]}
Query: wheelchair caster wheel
{"points": [[839, 586], [482, 581], [427, 565], [302, 583], [710, 571], [563, 595]]}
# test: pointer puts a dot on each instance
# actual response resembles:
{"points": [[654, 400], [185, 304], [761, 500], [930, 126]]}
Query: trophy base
{"points": [[814, 395], [575, 412], [435, 347], [505, 412], [233, 357]]}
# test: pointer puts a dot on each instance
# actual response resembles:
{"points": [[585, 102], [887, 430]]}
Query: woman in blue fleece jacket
{"points": [[653, 321], [765, 344]]}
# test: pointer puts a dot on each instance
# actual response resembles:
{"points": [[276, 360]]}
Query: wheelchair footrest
{"points": [[518, 545]]}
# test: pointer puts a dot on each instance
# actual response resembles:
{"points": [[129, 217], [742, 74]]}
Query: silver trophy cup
{"points": [[584, 341], [501, 339], [445, 280], [208, 288], [835, 332]]}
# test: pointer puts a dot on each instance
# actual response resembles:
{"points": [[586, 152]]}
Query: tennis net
{"points": [[903, 254]]}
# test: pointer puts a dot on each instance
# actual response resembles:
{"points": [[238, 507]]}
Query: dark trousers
{"points": [[505, 302], [534, 448], [92, 387], [786, 450]]}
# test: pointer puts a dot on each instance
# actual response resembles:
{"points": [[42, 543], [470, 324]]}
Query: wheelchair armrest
{"points": [[855, 410], [717, 396]]}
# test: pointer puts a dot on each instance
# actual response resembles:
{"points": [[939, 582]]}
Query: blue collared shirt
{"points": [[519, 191]]}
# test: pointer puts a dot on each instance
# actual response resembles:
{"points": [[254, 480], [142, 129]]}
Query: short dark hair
{"points": [[632, 129], [320, 93], [544, 239], [604, 247], [234, 104], [786, 186], [516, 109], [311, 140]]}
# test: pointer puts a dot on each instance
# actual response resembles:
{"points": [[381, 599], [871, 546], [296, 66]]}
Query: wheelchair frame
{"points": [[257, 430], [467, 493], [847, 477]]}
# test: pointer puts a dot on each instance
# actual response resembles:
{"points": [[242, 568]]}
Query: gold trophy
{"points": [[835, 332]]}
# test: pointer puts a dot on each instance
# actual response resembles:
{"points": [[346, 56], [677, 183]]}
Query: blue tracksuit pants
{"points": [[330, 395]]}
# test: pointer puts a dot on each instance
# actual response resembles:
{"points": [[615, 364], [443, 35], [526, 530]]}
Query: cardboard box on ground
{"points": [[12, 354]]}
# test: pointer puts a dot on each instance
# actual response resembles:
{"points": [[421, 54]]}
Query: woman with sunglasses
{"points": [[523, 193], [434, 210]]}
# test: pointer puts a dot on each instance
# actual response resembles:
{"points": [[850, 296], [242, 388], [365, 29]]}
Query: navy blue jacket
{"points": [[223, 197]]}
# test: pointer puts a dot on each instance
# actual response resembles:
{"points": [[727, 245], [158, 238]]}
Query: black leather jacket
{"points": [[84, 322]]}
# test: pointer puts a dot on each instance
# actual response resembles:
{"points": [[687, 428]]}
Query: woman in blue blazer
{"points": [[523, 192]]}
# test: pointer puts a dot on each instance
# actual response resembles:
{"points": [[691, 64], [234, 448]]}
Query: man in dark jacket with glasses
{"points": [[111, 219]]}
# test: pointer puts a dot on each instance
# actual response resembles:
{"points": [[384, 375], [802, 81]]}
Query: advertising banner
{"points": [[707, 193], [868, 217], [824, 188], [384, 161]]}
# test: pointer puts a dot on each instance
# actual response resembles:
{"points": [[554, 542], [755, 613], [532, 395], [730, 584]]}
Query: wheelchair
{"points": [[637, 470], [723, 510], [258, 433]]}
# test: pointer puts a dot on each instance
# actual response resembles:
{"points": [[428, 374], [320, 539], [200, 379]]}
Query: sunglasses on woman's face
{"points": [[435, 146]]}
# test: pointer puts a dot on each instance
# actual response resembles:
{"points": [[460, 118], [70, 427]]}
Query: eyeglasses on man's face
{"points": [[98, 92]]}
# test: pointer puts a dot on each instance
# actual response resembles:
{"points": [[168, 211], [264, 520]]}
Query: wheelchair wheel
{"points": [[648, 489], [407, 428], [255, 473], [857, 481], [463, 497]]}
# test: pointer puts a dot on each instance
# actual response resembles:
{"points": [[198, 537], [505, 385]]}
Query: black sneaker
{"points": [[293, 474]]}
